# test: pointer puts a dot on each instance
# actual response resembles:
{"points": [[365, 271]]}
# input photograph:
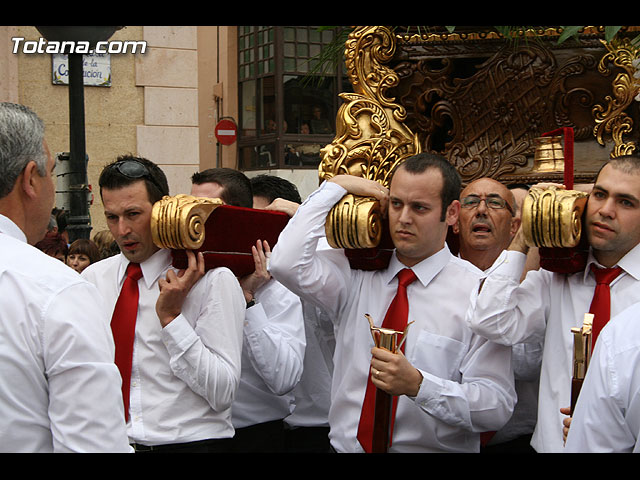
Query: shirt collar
{"points": [[426, 270], [152, 267], [10, 228], [630, 263]]}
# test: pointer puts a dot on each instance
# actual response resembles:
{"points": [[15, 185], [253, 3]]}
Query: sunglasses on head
{"points": [[135, 169]]}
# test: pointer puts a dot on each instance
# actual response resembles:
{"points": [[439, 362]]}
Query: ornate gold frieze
{"points": [[612, 120], [527, 33]]}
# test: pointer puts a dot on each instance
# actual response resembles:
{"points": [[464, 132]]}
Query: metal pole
{"points": [[79, 225]]}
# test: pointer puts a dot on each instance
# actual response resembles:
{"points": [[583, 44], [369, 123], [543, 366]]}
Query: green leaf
{"points": [[610, 32], [568, 32]]}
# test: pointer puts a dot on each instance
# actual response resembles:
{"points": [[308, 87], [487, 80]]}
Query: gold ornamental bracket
{"points": [[178, 222], [612, 121], [581, 356], [371, 139], [355, 222], [552, 217]]}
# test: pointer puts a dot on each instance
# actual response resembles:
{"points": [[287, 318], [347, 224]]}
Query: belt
{"points": [[139, 448]]}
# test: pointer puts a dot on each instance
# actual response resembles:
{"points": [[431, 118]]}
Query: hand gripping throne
{"points": [[371, 140], [223, 233]]}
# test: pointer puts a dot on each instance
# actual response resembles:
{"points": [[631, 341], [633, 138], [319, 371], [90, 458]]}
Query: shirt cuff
{"points": [[255, 319], [510, 263], [430, 390], [178, 335]]}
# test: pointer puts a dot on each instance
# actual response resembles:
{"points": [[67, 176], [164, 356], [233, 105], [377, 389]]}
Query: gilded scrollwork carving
{"points": [[612, 121], [178, 222], [552, 217], [371, 136]]}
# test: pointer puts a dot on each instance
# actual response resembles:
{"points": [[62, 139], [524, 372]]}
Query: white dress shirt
{"points": [[272, 356], [544, 307], [59, 387], [312, 395], [467, 385], [607, 414], [185, 375], [526, 359]]}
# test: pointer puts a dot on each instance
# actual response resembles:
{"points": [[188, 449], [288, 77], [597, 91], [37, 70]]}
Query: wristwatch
{"points": [[251, 303]]}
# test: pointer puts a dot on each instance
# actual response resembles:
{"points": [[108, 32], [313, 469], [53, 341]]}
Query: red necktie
{"points": [[123, 325], [601, 303], [395, 319]]}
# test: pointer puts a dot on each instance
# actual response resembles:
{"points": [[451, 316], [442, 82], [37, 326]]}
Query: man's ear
{"points": [[515, 225], [453, 213], [28, 180]]}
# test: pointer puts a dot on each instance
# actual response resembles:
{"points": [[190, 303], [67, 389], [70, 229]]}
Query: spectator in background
{"points": [[62, 217], [82, 253], [107, 245], [54, 245]]}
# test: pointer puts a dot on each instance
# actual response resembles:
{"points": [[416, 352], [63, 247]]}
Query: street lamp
{"points": [[79, 222]]}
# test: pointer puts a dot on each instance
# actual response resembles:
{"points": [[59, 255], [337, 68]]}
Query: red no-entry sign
{"points": [[226, 131]]}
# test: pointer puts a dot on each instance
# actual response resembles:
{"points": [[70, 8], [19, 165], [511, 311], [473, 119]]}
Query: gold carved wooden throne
{"points": [[479, 101]]}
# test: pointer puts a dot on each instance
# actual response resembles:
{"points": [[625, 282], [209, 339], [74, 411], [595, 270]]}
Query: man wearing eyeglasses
{"points": [[184, 371], [489, 219], [546, 305]]}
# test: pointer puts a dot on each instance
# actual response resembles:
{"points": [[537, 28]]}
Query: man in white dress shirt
{"points": [[274, 337], [607, 415], [451, 384], [546, 305], [489, 219], [307, 427], [188, 334], [59, 387]]}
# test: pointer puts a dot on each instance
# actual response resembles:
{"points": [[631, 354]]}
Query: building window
{"points": [[287, 105]]}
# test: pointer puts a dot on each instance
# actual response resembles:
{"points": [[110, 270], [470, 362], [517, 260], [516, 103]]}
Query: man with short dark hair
{"points": [[181, 377], [231, 186], [59, 388], [267, 188], [546, 305], [450, 384], [274, 337], [307, 427]]}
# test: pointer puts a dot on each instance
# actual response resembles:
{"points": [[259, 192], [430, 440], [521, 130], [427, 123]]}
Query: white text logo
{"points": [[82, 47]]}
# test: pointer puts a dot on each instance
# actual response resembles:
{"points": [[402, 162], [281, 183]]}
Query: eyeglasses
{"points": [[134, 169], [493, 202]]}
